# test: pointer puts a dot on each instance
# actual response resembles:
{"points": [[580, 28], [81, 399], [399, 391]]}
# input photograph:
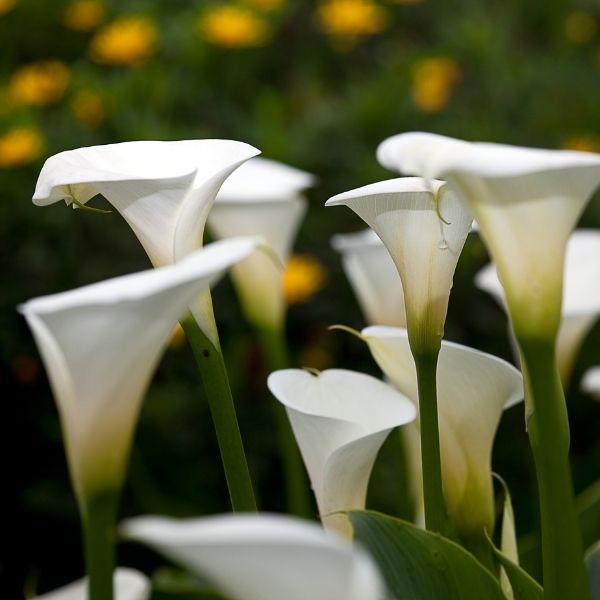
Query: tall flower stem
{"points": [[436, 516], [220, 401], [274, 347], [548, 426], [98, 517]]}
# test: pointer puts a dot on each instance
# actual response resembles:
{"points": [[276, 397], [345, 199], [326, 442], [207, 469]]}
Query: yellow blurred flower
{"points": [[88, 107], [580, 27], [233, 27], [177, 338], [265, 5], [126, 41], [348, 20], [583, 143], [433, 81], [303, 276], [20, 146], [39, 83], [7, 6], [84, 15]]}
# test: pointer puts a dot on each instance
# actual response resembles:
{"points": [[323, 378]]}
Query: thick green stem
{"points": [[548, 427], [436, 516], [294, 475], [98, 517], [216, 385]]}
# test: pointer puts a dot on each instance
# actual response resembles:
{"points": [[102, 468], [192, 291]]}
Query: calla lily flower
{"points": [[581, 295], [340, 419], [129, 585], [262, 197], [474, 389], [100, 345], [373, 277], [590, 383], [526, 202], [424, 227], [164, 190], [263, 557]]}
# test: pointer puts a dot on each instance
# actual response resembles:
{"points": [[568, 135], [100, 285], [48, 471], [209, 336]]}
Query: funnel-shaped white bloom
{"points": [[473, 390], [581, 294], [128, 585], [590, 383], [526, 202], [373, 277], [262, 197], [340, 419], [263, 557], [424, 227], [164, 190], [100, 345]]}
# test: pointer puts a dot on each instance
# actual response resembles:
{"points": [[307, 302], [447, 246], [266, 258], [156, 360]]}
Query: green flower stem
{"points": [[548, 427], [436, 516], [98, 516], [216, 385], [295, 479]]}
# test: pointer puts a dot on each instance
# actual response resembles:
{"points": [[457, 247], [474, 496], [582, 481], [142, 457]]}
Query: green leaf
{"points": [[419, 564], [588, 508], [592, 562]]}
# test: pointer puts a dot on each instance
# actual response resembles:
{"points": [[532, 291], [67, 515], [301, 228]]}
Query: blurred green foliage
{"points": [[316, 84]]}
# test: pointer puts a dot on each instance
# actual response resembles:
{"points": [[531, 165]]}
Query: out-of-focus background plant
{"points": [[317, 84]]}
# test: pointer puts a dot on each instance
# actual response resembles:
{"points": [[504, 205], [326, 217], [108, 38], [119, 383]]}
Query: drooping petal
{"points": [[164, 190], [128, 584], [424, 227], [262, 197], [590, 384], [581, 295], [100, 345], [263, 557], [526, 202], [473, 390], [373, 277], [340, 419]]}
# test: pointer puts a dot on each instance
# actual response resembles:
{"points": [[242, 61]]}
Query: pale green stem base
{"points": [[294, 475], [216, 385], [548, 426], [98, 519], [436, 515]]}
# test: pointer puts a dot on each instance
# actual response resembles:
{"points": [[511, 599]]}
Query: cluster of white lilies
{"points": [[101, 343]]}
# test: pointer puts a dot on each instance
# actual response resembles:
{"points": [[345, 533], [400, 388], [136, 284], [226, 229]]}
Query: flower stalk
{"points": [[213, 372]]}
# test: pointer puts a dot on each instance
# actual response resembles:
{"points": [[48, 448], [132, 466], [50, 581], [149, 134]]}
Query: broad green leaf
{"points": [[592, 562], [588, 508], [419, 564]]}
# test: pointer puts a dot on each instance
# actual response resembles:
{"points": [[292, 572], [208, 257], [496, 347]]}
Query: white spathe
{"points": [[340, 420], [581, 295], [590, 383], [262, 197], [526, 202], [263, 557], [164, 190], [100, 345], [128, 585], [373, 277], [424, 227], [473, 390]]}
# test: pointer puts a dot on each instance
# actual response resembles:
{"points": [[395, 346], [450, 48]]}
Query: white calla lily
{"points": [[373, 277], [340, 419], [262, 197], [474, 389], [581, 295], [590, 383], [526, 202], [263, 557], [424, 227], [100, 345], [164, 190], [128, 584]]}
